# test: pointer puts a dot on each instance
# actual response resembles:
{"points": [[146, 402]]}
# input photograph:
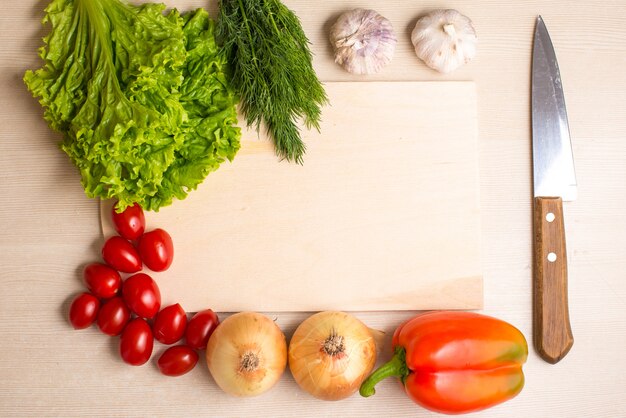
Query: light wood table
{"points": [[49, 229]]}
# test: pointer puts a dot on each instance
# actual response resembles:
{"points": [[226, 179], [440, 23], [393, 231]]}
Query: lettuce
{"points": [[140, 96]]}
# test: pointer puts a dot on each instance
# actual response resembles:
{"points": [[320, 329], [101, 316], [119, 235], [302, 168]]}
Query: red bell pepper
{"points": [[455, 362]]}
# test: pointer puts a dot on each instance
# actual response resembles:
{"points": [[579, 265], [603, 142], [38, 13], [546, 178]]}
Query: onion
{"points": [[246, 354], [330, 355]]}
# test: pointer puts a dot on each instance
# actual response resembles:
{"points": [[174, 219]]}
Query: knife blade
{"points": [[554, 181]]}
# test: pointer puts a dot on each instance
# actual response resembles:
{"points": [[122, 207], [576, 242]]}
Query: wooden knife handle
{"points": [[552, 332]]}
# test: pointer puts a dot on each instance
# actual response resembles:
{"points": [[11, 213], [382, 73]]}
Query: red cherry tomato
{"points": [[121, 255], [169, 324], [84, 310], [113, 316], [142, 295], [102, 280], [129, 223], [177, 360], [156, 249], [136, 342], [199, 329]]}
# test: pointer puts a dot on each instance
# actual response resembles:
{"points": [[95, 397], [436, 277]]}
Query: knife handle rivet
{"points": [[551, 257], [550, 217]]}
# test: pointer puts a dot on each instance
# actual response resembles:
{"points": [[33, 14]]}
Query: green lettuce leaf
{"points": [[140, 96]]}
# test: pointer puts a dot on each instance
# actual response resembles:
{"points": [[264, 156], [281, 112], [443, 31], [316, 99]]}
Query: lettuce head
{"points": [[140, 96]]}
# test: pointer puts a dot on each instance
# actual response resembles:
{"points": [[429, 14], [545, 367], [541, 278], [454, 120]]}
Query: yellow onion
{"points": [[330, 355], [246, 354]]}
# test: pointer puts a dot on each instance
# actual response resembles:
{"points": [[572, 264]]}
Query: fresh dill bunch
{"points": [[271, 69]]}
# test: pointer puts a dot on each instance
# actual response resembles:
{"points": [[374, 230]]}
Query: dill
{"points": [[271, 70]]}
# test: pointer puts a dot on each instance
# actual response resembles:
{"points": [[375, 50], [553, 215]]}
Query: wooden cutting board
{"points": [[383, 215]]}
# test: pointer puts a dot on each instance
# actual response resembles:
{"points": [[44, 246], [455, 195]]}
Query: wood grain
{"points": [[551, 330], [50, 229], [356, 227]]}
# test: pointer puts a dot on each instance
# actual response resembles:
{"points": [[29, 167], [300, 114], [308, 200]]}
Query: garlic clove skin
{"points": [[444, 40], [363, 41]]}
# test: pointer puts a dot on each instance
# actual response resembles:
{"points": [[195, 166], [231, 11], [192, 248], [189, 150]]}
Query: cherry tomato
{"points": [[142, 295], [129, 223], [177, 360], [84, 310], [121, 255], [169, 324], [156, 249], [136, 342], [102, 280], [199, 329], [113, 316]]}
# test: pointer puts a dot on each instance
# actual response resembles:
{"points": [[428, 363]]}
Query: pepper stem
{"points": [[395, 367]]}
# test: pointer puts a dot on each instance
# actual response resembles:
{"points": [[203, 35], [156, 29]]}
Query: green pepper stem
{"points": [[395, 367]]}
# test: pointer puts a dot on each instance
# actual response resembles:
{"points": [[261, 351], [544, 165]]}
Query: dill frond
{"points": [[271, 69]]}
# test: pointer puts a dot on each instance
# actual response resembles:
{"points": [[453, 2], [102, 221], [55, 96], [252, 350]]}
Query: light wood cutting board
{"points": [[383, 215]]}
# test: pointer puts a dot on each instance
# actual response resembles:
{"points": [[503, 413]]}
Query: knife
{"points": [[554, 181]]}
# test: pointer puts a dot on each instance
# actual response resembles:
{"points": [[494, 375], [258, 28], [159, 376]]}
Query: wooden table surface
{"points": [[50, 229]]}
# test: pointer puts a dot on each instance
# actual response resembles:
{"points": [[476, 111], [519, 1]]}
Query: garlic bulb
{"points": [[444, 40], [363, 41]]}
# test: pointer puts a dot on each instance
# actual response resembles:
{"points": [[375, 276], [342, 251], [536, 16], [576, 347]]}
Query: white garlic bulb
{"points": [[444, 40], [363, 41]]}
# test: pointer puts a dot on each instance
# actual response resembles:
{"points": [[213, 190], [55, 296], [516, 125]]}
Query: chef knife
{"points": [[554, 182]]}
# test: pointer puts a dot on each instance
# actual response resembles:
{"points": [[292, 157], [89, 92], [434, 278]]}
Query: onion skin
{"points": [[246, 354], [336, 374]]}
